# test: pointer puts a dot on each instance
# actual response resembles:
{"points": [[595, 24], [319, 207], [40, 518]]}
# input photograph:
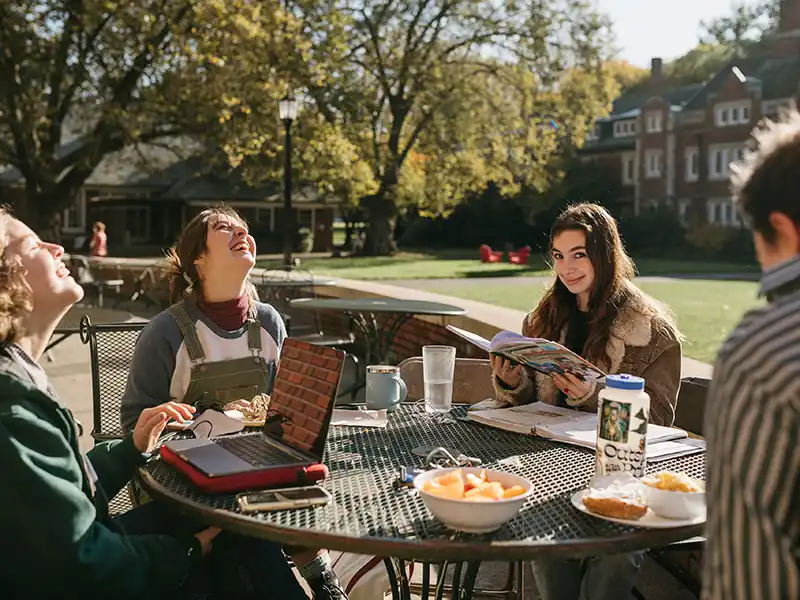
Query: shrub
{"points": [[654, 233]]}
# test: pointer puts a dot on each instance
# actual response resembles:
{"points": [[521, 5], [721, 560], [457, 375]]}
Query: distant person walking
{"points": [[99, 243]]}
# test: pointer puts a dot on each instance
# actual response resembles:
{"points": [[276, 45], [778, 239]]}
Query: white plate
{"points": [[649, 521]]}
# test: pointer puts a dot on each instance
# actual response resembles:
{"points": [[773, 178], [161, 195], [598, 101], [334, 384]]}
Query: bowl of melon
{"points": [[472, 499]]}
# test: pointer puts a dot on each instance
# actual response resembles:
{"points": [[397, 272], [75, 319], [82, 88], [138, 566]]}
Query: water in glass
{"points": [[439, 395], [438, 363]]}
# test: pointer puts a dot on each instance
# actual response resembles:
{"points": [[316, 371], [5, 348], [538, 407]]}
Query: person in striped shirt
{"points": [[753, 414]]}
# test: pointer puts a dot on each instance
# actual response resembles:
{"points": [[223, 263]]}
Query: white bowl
{"points": [[474, 517], [674, 505]]}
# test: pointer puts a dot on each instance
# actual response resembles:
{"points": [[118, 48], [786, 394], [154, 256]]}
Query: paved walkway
{"points": [[471, 282]]}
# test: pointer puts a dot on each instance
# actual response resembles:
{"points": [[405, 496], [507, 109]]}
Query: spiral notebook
{"points": [[579, 428]]}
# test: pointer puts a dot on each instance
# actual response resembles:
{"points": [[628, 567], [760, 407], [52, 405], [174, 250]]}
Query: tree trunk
{"points": [[382, 217]]}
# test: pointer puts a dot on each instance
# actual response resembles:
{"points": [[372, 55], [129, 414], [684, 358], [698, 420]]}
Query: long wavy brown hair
{"points": [[611, 290], [190, 246], [16, 301]]}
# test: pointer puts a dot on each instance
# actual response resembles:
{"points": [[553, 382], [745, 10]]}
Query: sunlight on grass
{"points": [[456, 264], [706, 310]]}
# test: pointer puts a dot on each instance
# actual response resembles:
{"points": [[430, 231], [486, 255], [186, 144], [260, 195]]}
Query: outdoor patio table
{"points": [[363, 313], [370, 515]]}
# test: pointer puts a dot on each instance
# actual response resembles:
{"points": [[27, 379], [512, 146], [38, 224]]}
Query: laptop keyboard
{"points": [[253, 449]]}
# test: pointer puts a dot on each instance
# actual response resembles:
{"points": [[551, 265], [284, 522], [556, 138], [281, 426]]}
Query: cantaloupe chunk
{"points": [[514, 490], [450, 478], [473, 481], [492, 489], [453, 489]]}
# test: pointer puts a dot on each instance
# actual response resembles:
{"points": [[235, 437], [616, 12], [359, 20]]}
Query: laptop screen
{"points": [[303, 396]]}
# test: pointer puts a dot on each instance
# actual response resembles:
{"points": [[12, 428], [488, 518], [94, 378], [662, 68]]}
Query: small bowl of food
{"points": [[472, 499], [674, 495]]}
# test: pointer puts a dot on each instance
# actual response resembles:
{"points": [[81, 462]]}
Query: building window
{"points": [[593, 134], [684, 207], [74, 217], [692, 164], [305, 218], [654, 163], [654, 122], [723, 212], [137, 223], [731, 114], [772, 108], [720, 159], [628, 169], [624, 128]]}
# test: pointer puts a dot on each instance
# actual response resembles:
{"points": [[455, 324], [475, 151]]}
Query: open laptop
{"points": [[288, 449]]}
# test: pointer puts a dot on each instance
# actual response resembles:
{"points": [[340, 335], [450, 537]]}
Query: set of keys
{"points": [[435, 458]]}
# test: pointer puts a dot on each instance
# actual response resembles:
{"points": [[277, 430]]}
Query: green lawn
{"points": [[447, 264], [706, 310]]}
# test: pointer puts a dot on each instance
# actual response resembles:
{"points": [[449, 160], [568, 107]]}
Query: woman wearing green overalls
{"points": [[217, 343]]}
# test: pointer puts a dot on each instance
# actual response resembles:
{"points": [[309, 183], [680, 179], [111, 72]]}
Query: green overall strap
{"points": [[188, 332], [253, 331]]}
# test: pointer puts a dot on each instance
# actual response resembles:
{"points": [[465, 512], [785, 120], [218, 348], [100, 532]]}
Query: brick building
{"points": [[673, 146]]}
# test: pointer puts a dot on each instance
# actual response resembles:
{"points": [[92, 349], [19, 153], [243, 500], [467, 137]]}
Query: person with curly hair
{"points": [[54, 504]]}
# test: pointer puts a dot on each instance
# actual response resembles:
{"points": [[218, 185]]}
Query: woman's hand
{"points": [[152, 421], [510, 373], [573, 386]]}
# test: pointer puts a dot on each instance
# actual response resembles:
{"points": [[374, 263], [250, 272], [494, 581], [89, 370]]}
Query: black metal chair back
{"points": [[691, 408], [110, 352]]}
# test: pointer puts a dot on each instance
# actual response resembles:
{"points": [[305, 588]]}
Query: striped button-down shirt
{"points": [[753, 431]]}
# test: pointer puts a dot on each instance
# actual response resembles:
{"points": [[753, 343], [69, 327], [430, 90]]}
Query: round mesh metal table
{"points": [[370, 516]]}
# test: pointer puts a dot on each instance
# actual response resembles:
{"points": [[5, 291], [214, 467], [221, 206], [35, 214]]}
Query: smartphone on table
{"points": [[283, 499]]}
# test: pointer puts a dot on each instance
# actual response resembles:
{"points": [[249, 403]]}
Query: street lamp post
{"points": [[287, 108]]}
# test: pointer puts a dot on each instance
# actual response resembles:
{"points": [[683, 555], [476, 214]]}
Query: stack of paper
{"points": [[360, 417]]}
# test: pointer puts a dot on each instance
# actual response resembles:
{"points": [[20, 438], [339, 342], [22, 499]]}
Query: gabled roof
{"points": [[637, 98], [778, 78]]}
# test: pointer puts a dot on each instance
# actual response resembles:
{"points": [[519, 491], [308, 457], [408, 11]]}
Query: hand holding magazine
{"points": [[539, 354]]}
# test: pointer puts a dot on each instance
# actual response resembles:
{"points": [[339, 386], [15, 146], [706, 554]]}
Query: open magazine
{"points": [[541, 355]]}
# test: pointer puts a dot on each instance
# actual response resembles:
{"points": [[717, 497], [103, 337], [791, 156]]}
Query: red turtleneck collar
{"points": [[228, 315]]}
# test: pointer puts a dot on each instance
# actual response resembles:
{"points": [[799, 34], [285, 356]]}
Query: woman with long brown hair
{"points": [[217, 344], [596, 310]]}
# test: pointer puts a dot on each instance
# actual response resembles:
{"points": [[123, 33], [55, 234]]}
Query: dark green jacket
{"points": [[53, 528]]}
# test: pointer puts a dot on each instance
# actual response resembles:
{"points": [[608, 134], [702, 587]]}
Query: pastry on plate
{"points": [[616, 501]]}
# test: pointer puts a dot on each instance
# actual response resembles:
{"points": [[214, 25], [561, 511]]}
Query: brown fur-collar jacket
{"points": [[639, 345]]}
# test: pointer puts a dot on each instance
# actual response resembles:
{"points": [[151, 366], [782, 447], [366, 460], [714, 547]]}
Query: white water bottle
{"points": [[623, 411]]}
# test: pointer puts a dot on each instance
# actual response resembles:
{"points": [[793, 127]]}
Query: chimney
{"points": [[789, 18], [656, 74]]}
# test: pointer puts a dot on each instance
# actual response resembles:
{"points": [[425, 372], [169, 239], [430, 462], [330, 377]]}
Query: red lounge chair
{"points": [[490, 256], [520, 257]]}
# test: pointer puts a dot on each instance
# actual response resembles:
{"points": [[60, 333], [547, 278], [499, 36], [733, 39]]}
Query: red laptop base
{"points": [[289, 475]]}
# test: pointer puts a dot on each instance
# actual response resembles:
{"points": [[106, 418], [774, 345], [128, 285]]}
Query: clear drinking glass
{"points": [[438, 364]]}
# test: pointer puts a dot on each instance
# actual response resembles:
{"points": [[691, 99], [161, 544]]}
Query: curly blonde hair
{"points": [[16, 301]]}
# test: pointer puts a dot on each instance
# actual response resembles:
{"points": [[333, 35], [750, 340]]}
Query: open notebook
{"points": [[580, 428]]}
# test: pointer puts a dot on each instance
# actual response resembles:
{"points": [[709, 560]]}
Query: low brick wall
{"points": [[411, 337]]}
